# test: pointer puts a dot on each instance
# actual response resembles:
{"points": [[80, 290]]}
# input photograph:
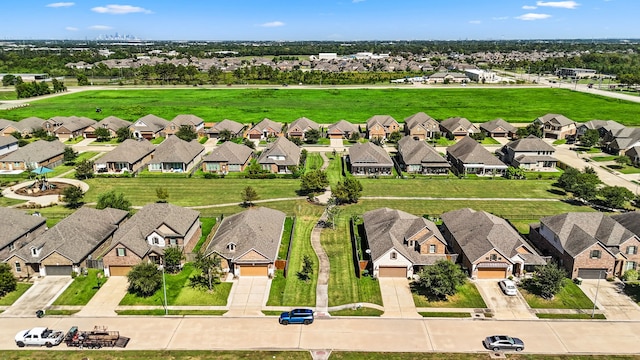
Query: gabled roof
{"points": [[630, 220], [231, 153], [478, 232], [129, 151], [258, 229], [579, 230], [187, 119], [303, 124], [416, 152], [36, 151], [226, 124], [282, 147], [452, 124], [268, 124], [29, 123], [421, 119], [4, 123], [492, 125], [17, 223], [132, 234], [367, 154], [556, 119], [598, 124], [7, 140], [470, 151], [76, 236], [176, 150], [150, 123], [529, 144], [71, 123], [383, 120], [342, 127], [388, 229], [112, 123]]}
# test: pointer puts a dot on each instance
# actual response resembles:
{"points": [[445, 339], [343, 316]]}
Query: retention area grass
{"points": [[440, 314], [81, 289], [314, 161], [467, 296], [569, 297], [11, 297], [331, 105], [53, 214], [337, 355], [152, 354]]}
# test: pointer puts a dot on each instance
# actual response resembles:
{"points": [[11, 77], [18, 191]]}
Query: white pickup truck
{"points": [[39, 336]]}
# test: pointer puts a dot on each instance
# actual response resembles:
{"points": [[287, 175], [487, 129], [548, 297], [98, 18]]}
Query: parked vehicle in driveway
{"points": [[39, 336], [508, 287], [296, 316], [503, 342]]}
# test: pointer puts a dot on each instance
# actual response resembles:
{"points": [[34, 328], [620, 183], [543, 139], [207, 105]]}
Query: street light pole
{"points": [[595, 299], [164, 291]]}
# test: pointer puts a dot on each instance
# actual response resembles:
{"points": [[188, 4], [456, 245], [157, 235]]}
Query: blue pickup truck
{"points": [[296, 316]]}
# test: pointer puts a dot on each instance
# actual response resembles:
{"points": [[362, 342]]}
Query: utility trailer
{"points": [[95, 339]]}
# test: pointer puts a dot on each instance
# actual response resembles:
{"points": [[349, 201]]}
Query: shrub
{"points": [[630, 275]]}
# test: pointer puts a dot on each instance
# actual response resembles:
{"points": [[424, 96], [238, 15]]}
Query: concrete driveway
{"points": [[396, 298], [105, 301], [43, 292], [248, 295], [612, 300], [503, 306]]}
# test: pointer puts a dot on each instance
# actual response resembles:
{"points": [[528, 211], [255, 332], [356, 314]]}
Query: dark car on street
{"points": [[503, 342], [296, 316]]}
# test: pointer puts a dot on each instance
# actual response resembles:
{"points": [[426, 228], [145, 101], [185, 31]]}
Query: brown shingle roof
{"points": [[530, 143], [368, 154], [176, 150], [492, 125], [16, 223], [282, 147], [36, 152], [470, 151], [129, 151], [417, 152], [231, 153]]}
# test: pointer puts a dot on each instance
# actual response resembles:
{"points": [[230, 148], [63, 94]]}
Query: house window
{"points": [[630, 265], [632, 250], [432, 249], [121, 252], [493, 257], [595, 254], [34, 251], [173, 241], [18, 267], [156, 241], [394, 255]]}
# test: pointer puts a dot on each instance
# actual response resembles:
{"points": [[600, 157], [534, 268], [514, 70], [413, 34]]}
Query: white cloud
{"points": [[71, 28], [273, 24], [100, 27], [120, 9], [475, 22], [529, 7], [533, 16], [559, 4], [60, 4]]}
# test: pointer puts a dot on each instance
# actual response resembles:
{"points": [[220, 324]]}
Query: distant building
{"points": [[327, 56], [575, 72]]}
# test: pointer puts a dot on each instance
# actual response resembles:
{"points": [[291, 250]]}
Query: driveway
{"points": [[43, 292], [612, 300], [396, 298], [248, 295], [104, 302], [503, 306]]}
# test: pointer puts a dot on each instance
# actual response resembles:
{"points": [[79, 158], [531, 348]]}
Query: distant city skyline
{"points": [[337, 20]]}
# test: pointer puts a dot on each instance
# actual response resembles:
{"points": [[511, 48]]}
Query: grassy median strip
{"points": [[363, 311], [60, 312], [572, 316], [347, 355], [161, 312], [10, 298], [443, 314], [152, 354]]}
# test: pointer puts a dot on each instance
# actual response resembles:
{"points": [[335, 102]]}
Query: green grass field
{"points": [[569, 297], [467, 296], [81, 289], [331, 105]]}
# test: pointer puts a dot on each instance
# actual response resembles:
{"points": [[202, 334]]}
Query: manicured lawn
{"points": [[344, 286], [191, 192], [157, 141], [180, 293], [467, 296], [161, 312], [207, 224], [81, 289], [604, 158], [6, 202], [572, 316], [8, 95], [363, 311], [347, 355], [286, 237], [569, 297], [489, 141], [73, 141], [111, 354], [11, 297], [627, 169], [291, 291], [445, 314], [560, 142], [314, 161], [329, 105], [53, 214], [334, 170]]}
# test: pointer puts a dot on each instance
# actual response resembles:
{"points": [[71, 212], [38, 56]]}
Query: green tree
{"points": [[531, 129], [394, 137], [296, 140], [314, 181], [347, 191], [225, 135], [8, 282], [546, 281], [144, 279], [249, 195], [162, 194], [82, 80], [103, 134], [307, 269], [515, 173], [69, 156], [123, 134], [589, 138], [186, 133], [9, 80], [616, 196], [173, 257], [210, 271], [312, 136], [249, 143], [582, 184], [623, 160], [354, 137], [111, 199], [72, 196], [84, 169], [439, 280]]}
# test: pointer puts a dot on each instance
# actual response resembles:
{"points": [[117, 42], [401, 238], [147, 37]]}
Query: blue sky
{"points": [[339, 20]]}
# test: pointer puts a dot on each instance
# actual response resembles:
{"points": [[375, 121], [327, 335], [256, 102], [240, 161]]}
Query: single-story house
{"points": [[300, 126], [65, 128], [556, 126], [235, 129], [24, 126], [36, 154], [467, 156], [448, 77], [149, 127], [498, 128], [417, 157], [401, 244], [588, 245], [634, 154], [8, 144], [342, 130], [18, 228], [488, 246], [147, 233], [530, 153], [380, 126], [619, 141], [65, 247], [248, 242], [265, 129], [279, 156], [130, 156], [228, 157], [176, 155], [111, 123], [369, 159], [421, 126], [196, 123], [458, 127]]}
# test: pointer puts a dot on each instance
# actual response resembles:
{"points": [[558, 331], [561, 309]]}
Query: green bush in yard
{"points": [[546, 281], [8, 282], [144, 279], [630, 275], [439, 280]]}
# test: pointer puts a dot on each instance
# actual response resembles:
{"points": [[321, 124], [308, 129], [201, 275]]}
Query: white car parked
{"points": [[508, 287]]}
